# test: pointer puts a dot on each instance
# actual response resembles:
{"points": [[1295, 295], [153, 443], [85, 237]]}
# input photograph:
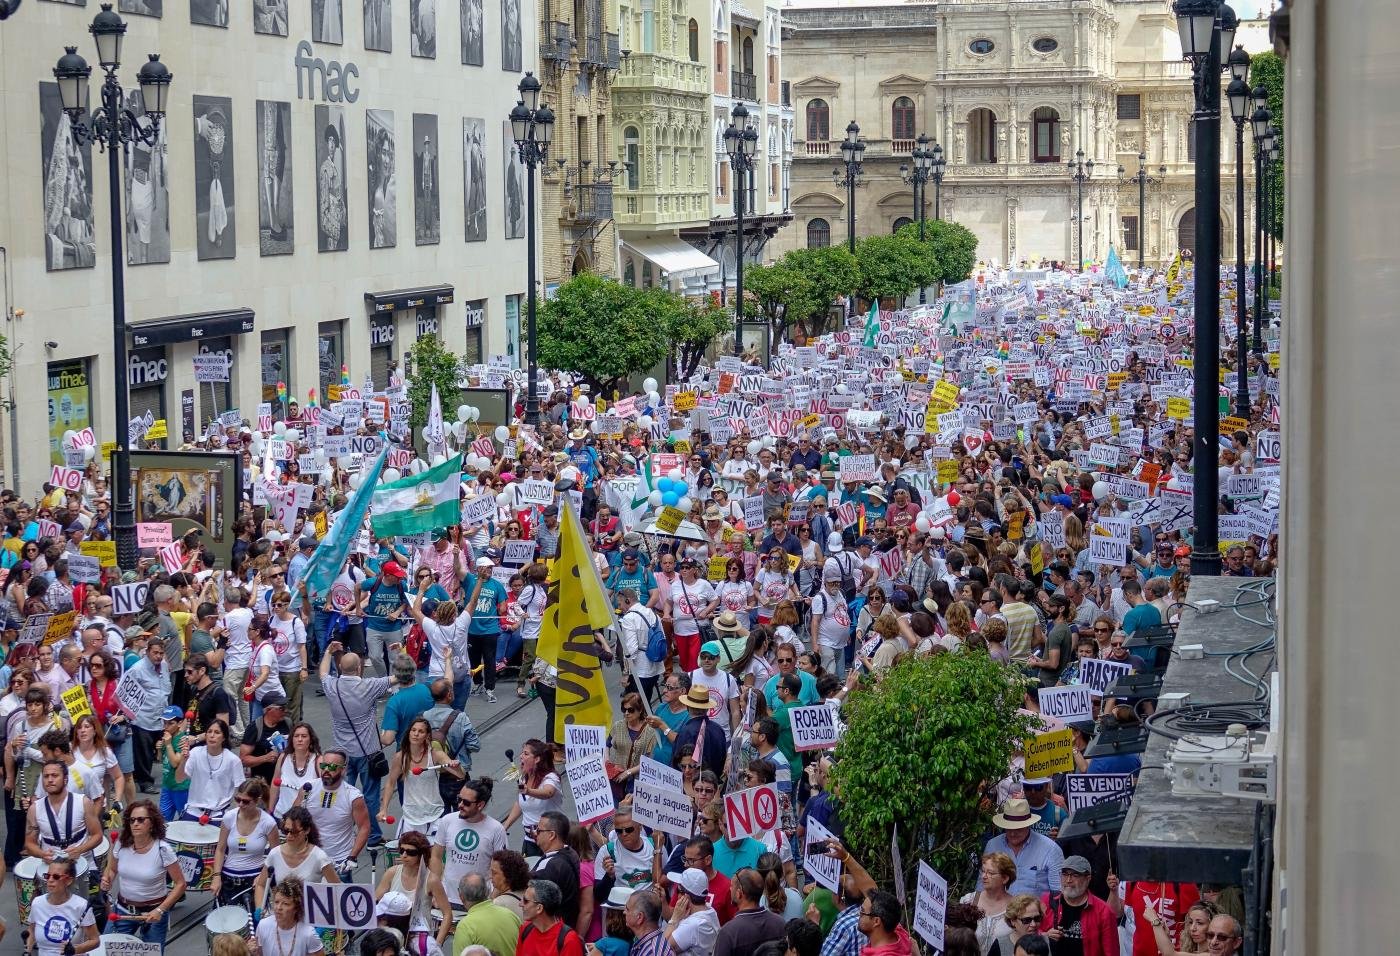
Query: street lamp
{"points": [[939, 165], [852, 149], [741, 143], [532, 128], [1207, 31], [1275, 182], [1143, 181], [918, 176], [1238, 94], [1259, 124], [1080, 170], [112, 127]]}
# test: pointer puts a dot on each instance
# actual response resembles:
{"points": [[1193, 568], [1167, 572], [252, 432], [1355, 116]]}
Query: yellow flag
{"points": [[577, 607]]}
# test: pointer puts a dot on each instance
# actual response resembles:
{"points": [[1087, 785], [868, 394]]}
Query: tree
{"points": [[829, 272], [891, 267], [951, 246], [1267, 70], [602, 330], [924, 747], [431, 363], [782, 294], [690, 328]]}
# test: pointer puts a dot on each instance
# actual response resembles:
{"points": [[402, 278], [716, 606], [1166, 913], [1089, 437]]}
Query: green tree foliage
{"points": [[431, 363], [829, 273], [690, 328], [603, 330], [925, 747], [1267, 69], [891, 267], [781, 294], [951, 248]]}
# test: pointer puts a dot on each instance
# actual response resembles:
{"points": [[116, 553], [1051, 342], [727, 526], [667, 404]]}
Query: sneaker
{"points": [[490, 697]]}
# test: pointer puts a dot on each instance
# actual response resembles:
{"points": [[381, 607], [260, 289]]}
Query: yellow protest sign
{"points": [[320, 524], [809, 421], [1050, 753], [669, 520], [1186, 363], [685, 401], [947, 471], [104, 551], [1178, 408], [1015, 526], [794, 562], [333, 393], [682, 446], [157, 430], [1114, 423], [61, 627], [75, 701], [1037, 559], [1116, 380], [1274, 359], [718, 564], [107, 448], [1233, 424], [945, 392]]}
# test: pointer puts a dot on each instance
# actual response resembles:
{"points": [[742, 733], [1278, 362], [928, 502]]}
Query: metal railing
{"points": [[743, 86]]}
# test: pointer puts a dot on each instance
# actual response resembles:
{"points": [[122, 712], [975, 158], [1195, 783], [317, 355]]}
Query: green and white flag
{"points": [[872, 325], [418, 503]]}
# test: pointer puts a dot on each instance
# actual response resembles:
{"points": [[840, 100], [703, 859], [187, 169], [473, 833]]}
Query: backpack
{"points": [[848, 581], [656, 639], [564, 933], [417, 646]]}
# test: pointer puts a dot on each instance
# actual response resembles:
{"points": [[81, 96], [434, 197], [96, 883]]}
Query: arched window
{"points": [[818, 121], [1046, 139], [694, 31], [981, 136], [818, 233], [632, 155], [902, 119], [900, 223], [748, 54]]}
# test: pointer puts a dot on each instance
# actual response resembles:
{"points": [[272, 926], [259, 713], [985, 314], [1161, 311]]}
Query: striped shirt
{"points": [[1021, 622]]}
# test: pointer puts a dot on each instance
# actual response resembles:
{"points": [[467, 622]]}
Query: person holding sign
{"points": [[285, 932]]}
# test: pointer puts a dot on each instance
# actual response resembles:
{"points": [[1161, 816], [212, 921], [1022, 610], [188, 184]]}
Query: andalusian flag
{"points": [[872, 325], [1114, 270], [577, 607], [330, 555], [423, 502]]}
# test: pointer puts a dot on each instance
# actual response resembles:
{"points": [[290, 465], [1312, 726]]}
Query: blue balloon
{"points": [[670, 498], [663, 484], [681, 488]]}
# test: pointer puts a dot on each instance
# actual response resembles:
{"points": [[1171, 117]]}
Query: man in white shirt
{"points": [[238, 654], [338, 810], [465, 841], [634, 621], [627, 856]]}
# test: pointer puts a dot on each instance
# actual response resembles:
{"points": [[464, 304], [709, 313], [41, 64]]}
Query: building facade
{"points": [[330, 184], [1012, 92], [579, 58]]}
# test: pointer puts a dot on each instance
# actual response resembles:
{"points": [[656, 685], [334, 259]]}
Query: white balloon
{"points": [[68, 437], [503, 499], [257, 447], [462, 412], [649, 385], [912, 441], [476, 414], [653, 398], [654, 499], [326, 475], [937, 533], [89, 453], [922, 523], [645, 421], [293, 434], [754, 447], [459, 431], [675, 474], [279, 429], [684, 504], [840, 388], [770, 442], [355, 480], [391, 474], [502, 434], [1100, 490], [437, 459]]}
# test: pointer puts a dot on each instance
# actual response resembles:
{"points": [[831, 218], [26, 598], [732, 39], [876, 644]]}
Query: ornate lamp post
{"points": [[1240, 101], [918, 176], [741, 143], [532, 128], [1080, 170]]}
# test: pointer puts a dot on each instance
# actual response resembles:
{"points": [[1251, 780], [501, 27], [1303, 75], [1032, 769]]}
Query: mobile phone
{"points": [[818, 847]]}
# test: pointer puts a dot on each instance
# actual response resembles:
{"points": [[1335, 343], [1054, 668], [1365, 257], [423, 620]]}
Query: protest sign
{"points": [[1112, 552], [536, 493], [517, 554], [1066, 704], [1088, 789], [131, 696], [211, 367], [104, 551], [580, 740], [669, 520], [1097, 674], [477, 511], [588, 782], [68, 479], [857, 468], [61, 626], [84, 569], [824, 870], [751, 812], [128, 598], [75, 701], [814, 727], [117, 945], [347, 906], [156, 534], [1050, 753], [753, 512], [930, 905]]}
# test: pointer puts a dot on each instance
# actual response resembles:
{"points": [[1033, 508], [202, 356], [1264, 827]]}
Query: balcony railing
{"points": [[818, 147], [901, 146], [593, 202], [743, 86]]}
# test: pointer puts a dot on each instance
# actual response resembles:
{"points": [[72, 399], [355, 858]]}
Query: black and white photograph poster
{"points": [[142, 8], [474, 176], [213, 177], [515, 188], [426, 211], [209, 13], [327, 22], [510, 36], [71, 3], [383, 188], [379, 34], [68, 225], [473, 30], [147, 186], [275, 232], [422, 24], [331, 200], [270, 17]]}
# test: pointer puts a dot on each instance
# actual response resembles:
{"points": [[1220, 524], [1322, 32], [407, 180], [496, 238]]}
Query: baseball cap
{"points": [[551, 511], [694, 881], [172, 713], [440, 534], [1077, 864], [1064, 501], [307, 541], [274, 700], [834, 543], [710, 647], [392, 569], [393, 903], [485, 562], [631, 554]]}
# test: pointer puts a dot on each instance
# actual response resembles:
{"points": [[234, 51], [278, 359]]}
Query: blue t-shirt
{"points": [[638, 580], [1118, 763], [384, 598], [1142, 616], [730, 859], [406, 704], [585, 459], [673, 721], [806, 698], [486, 612]]}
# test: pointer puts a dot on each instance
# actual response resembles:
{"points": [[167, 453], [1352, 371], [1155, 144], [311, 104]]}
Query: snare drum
{"points": [[333, 940], [194, 845], [392, 853], [29, 883], [99, 859], [227, 919]]}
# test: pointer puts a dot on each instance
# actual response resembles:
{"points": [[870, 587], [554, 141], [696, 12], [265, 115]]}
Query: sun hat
{"points": [[1015, 814]]}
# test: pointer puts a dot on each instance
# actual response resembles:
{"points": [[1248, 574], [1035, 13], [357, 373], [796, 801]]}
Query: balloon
{"points": [[653, 398], [654, 499], [68, 437], [476, 414], [645, 421], [392, 474], [89, 453], [754, 447], [293, 434], [649, 385], [438, 459], [502, 434], [841, 388], [953, 499], [355, 480], [319, 456], [503, 499], [684, 504], [670, 499], [675, 474], [279, 429], [922, 523], [463, 411], [681, 488], [326, 475], [937, 533], [663, 484], [1100, 490]]}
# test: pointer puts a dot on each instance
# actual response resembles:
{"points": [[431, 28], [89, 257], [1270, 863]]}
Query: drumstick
{"points": [[433, 769], [514, 772]]}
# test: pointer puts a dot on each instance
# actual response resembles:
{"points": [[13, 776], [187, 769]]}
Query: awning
{"points": [[671, 255], [190, 328], [396, 299]]}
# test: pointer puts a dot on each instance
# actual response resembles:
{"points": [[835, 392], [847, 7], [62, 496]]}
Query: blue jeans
{"points": [[461, 691], [147, 932], [357, 772], [172, 803]]}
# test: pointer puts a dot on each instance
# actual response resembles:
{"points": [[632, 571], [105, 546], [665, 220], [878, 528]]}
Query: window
{"points": [[902, 119], [722, 179], [901, 222], [1130, 106], [381, 348], [772, 180], [981, 136], [981, 46], [747, 52], [1045, 44], [632, 155], [1046, 148], [648, 26], [475, 322], [1190, 140], [818, 121], [275, 364], [818, 233], [328, 357], [694, 34], [1130, 233], [70, 403]]}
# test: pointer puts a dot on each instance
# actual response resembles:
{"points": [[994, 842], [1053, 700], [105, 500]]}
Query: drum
{"points": [[29, 883], [227, 919], [391, 853], [333, 940], [99, 859], [194, 845]]}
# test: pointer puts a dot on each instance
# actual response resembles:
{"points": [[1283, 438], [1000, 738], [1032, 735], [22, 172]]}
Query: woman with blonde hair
{"points": [[998, 873], [1022, 916], [1193, 933]]}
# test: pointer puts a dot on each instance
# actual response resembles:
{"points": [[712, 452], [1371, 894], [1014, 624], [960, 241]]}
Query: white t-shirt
{"points": [[335, 818], [723, 688], [244, 855], [734, 596], [687, 600], [300, 940], [631, 868], [467, 848], [240, 650], [311, 869], [141, 876], [773, 587], [448, 639], [98, 765], [696, 934], [86, 780], [292, 782], [835, 627], [532, 601], [57, 924], [633, 627], [266, 656], [212, 779], [288, 638], [531, 808]]}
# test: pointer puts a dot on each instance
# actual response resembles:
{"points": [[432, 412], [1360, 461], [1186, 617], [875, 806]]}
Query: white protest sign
{"points": [[128, 598], [1087, 789], [211, 367], [1268, 446], [753, 512], [1104, 454], [348, 906], [588, 782], [814, 727], [857, 468], [1066, 704], [69, 479], [654, 771], [84, 569], [580, 740], [131, 696], [536, 493], [930, 905], [824, 870], [751, 812], [517, 554], [1108, 551], [659, 800], [1098, 674], [113, 945], [1244, 486], [478, 510]]}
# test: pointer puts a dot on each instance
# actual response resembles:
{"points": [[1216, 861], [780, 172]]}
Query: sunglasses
{"points": [[331, 766], [55, 876], [631, 710], [1029, 920], [243, 801], [411, 851], [288, 831], [281, 603], [631, 829], [139, 819]]}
